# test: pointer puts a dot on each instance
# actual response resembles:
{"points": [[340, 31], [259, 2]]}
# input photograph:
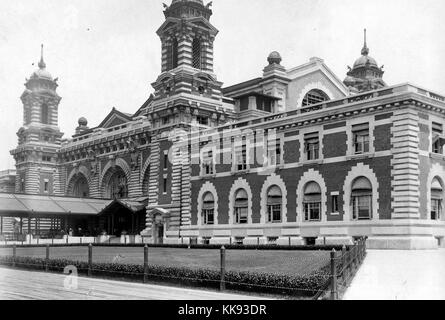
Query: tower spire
{"points": [[365, 50], [42, 64]]}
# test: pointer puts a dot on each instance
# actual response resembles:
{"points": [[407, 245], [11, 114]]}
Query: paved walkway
{"points": [[400, 275], [29, 285]]}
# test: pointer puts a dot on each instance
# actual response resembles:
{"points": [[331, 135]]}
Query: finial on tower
{"points": [[365, 50], [42, 64]]}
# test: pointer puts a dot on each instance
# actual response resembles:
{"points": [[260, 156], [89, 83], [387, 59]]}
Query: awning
{"points": [[134, 205], [19, 205]]}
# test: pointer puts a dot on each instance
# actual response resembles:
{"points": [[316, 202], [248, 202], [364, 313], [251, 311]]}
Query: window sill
{"points": [[276, 167], [241, 172], [437, 156], [208, 176], [309, 162], [360, 156], [335, 213]]}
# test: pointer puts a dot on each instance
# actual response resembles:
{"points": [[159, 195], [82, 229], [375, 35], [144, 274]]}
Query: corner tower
{"points": [[365, 75], [187, 38], [40, 136]]}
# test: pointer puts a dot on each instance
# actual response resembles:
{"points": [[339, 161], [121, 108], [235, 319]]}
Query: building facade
{"points": [[295, 156]]}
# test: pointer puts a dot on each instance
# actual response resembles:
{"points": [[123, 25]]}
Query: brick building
{"points": [[294, 156]]}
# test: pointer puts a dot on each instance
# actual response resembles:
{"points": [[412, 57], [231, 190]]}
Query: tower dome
{"points": [[274, 58], [42, 73], [83, 122], [197, 1], [366, 74]]}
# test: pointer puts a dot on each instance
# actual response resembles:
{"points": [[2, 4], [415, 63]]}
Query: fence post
{"points": [[333, 276], [47, 258], [14, 254], [90, 259], [222, 285], [343, 262], [145, 263], [356, 255]]}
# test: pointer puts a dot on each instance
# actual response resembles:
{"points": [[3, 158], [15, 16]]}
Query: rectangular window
{"points": [[361, 138], [208, 163], [312, 146], [165, 120], [209, 216], [274, 152], [46, 186], [165, 185], [202, 120], [437, 138], [334, 203], [274, 213], [241, 155], [46, 158], [165, 161], [361, 207], [436, 209], [312, 211], [241, 215], [22, 185]]}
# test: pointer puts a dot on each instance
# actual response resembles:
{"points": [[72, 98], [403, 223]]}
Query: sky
{"points": [[106, 52]]}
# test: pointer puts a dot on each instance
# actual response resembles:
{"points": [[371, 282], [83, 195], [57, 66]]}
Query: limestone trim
{"points": [[313, 86], [240, 184], [207, 187], [273, 180], [74, 174], [350, 135], [307, 177], [360, 170], [121, 163], [437, 171]]}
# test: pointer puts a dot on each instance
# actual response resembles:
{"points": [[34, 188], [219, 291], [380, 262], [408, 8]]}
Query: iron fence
{"points": [[302, 274]]}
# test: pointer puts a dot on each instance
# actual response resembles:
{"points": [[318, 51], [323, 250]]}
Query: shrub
{"points": [[306, 285]]}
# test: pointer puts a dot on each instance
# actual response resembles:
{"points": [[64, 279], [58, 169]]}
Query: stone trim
{"points": [[207, 187], [240, 184], [436, 171], [273, 180], [360, 170], [310, 176]]}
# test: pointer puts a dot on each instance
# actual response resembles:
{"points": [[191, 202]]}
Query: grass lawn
{"points": [[280, 262]]}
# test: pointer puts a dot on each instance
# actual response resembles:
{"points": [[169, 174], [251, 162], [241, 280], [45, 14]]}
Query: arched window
{"points": [[197, 53], [312, 202], [274, 204], [118, 186], [146, 183], [172, 54], [208, 208], [313, 97], [44, 114], [361, 199], [436, 199], [80, 188], [27, 115], [241, 206]]}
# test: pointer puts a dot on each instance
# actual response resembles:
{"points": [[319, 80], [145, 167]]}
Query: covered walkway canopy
{"points": [[24, 205], [42, 214]]}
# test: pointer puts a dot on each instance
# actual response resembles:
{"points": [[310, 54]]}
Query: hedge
{"points": [[301, 286], [196, 246]]}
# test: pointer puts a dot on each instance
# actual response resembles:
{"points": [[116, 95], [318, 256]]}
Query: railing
{"points": [[297, 274], [343, 266]]}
